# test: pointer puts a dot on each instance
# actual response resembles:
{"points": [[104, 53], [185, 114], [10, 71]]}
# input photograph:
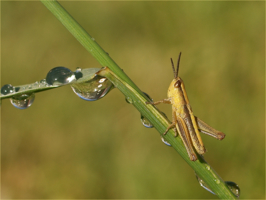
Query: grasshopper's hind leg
{"points": [[181, 127], [208, 130]]}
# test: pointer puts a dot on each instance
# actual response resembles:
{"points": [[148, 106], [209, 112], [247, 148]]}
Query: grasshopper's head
{"points": [[175, 86]]}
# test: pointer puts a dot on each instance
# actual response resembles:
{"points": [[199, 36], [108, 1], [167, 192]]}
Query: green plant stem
{"points": [[134, 94]]}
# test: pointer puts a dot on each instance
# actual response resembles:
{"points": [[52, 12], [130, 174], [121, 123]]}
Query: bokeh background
{"points": [[65, 147]]}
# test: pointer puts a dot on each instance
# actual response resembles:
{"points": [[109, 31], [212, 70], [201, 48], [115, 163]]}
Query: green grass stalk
{"points": [[134, 94]]}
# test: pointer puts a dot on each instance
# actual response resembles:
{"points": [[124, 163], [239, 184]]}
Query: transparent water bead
{"points": [[78, 73], [23, 101], [145, 122], [94, 89], [60, 76], [204, 185], [6, 89], [43, 83], [166, 143], [233, 187]]}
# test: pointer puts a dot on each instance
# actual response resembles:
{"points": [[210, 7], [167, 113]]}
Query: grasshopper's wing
{"points": [[208, 130], [184, 134]]}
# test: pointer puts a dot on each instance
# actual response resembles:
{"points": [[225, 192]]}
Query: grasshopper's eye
{"points": [[177, 84]]}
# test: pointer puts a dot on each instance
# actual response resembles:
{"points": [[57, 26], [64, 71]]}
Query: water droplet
{"points": [[60, 76], [168, 144], [93, 39], [204, 185], [94, 89], [43, 83], [129, 100], [233, 187], [17, 89], [22, 101], [78, 73], [145, 122], [148, 96], [78, 69], [6, 89]]}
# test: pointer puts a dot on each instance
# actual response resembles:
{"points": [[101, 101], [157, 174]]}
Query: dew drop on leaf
{"points": [[60, 76], [6, 89], [233, 187], [22, 101], [93, 89]]}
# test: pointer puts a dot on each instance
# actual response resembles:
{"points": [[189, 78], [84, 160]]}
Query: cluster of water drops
{"points": [[231, 185], [91, 90]]}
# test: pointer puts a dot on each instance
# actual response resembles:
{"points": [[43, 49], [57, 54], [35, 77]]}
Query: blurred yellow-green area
{"points": [[65, 147]]}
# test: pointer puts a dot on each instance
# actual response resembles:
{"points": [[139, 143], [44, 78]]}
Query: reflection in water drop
{"points": [[204, 185], [233, 187], [60, 76], [6, 89], [93, 89], [22, 101], [145, 122], [168, 144]]}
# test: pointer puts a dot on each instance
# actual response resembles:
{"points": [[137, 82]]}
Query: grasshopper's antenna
{"points": [[177, 67], [173, 66]]}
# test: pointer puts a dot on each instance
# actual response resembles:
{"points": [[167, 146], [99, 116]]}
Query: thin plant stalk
{"points": [[114, 73]]}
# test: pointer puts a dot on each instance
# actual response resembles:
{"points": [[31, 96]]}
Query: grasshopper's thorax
{"points": [[176, 93]]}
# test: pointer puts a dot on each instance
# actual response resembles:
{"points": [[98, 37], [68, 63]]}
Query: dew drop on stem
{"points": [[60, 76], [145, 122], [165, 142], [204, 185], [94, 89], [22, 101], [7, 89], [233, 187]]}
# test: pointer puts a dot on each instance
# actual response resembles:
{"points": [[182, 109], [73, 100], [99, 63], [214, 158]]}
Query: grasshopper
{"points": [[183, 120]]}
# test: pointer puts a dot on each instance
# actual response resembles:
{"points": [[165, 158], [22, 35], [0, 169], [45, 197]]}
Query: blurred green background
{"points": [[65, 147]]}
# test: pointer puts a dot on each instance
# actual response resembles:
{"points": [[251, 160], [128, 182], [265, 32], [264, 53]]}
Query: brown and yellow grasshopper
{"points": [[183, 119]]}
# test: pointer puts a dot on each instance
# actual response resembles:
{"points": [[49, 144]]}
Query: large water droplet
{"points": [[204, 185], [233, 187], [93, 89], [6, 89], [60, 76], [145, 122], [22, 101], [163, 140]]}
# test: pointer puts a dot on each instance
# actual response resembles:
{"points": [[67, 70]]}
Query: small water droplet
{"points": [[145, 122], [93, 39], [148, 96], [43, 83], [204, 185], [6, 89], [163, 140], [233, 187], [22, 101], [17, 89], [94, 89], [217, 181], [78, 69], [60, 76], [129, 100]]}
